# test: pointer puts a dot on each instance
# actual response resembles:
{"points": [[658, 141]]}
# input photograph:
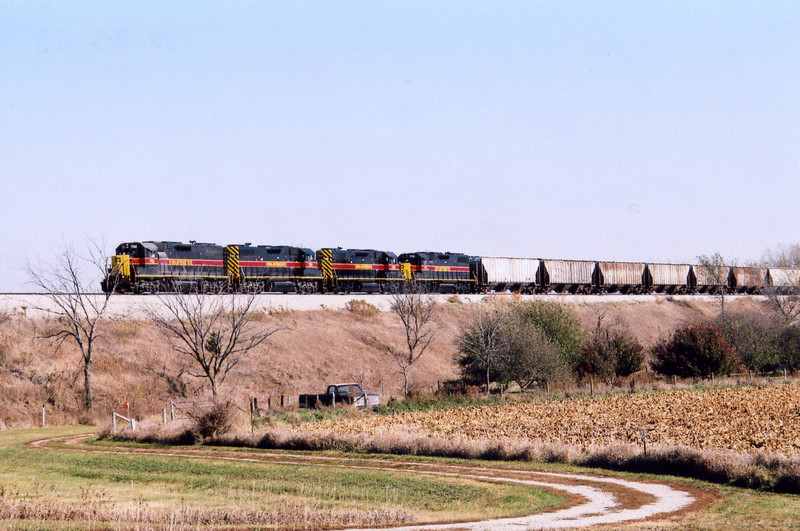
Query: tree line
{"points": [[536, 343]]}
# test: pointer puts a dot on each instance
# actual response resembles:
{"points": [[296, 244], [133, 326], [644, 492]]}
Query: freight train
{"points": [[165, 266]]}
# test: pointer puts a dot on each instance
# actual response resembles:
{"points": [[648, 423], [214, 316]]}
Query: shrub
{"points": [[361, 308], [217, 421], [756, 339], [611, 351], [789, 342], [557, 322], [597, 358], [630, 355], [696, 350]]}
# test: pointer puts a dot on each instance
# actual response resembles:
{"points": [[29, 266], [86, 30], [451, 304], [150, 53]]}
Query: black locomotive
{"points": [[162, 266]]}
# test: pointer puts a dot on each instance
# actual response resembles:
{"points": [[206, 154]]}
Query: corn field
{"points": [[745, 419]]}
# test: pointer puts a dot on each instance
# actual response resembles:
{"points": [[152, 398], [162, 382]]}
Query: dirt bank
{"points": [[135, 363]]}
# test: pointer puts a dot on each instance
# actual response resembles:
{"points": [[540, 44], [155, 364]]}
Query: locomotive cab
{"points": [[121, 273]]}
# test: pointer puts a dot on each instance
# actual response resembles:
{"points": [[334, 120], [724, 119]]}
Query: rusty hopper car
{"points": [[749, 280], [566, 276], [620, 277], [709, 280], [784, 280], [517, 275], [668, 278]]}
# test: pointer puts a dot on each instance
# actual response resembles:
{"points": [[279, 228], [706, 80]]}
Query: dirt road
{"points": [[594, 500]]}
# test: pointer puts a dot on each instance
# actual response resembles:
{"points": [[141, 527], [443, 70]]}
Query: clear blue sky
{"points": [[648, 131]]}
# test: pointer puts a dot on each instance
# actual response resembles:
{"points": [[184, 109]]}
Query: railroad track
{"points": [[136, 305]]}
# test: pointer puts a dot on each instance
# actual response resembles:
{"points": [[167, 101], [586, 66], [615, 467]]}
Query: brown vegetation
{"points": [[98, 507], [745, 419], [134, 363]]}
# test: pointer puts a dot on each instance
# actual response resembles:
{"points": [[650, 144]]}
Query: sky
{"points": [[636, 131]]}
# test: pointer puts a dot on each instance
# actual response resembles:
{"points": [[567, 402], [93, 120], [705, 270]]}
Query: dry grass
{"points": [[98, 507], [362, 308], [134, 363]]}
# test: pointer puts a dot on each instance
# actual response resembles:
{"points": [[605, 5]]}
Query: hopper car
{"points": [[167, 266]]}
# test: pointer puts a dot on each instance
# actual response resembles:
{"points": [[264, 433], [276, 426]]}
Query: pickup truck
{"points": [[346, 394]]}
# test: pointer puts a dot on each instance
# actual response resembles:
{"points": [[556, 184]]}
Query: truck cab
{"points": [[344, 393], [352, 393]]}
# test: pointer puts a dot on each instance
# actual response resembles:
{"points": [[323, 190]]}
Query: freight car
{"points": [[165, 266]]}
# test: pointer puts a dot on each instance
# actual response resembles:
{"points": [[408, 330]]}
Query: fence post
{"points": [[114, 420], [171, 412], [133, 424], [644, 441], [43, 416], [252, 422], [164, 416], [591, 387]]}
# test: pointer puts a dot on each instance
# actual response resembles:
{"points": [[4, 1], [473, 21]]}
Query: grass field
{"points": [[67, 489], [78, 490]]}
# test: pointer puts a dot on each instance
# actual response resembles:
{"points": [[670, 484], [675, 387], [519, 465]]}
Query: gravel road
{"points": [[596, 500]]}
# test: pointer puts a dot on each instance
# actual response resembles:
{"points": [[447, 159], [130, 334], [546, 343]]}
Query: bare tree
{"points": [[713, 271], [77, 308], [214, 331], [416, 313], [482, 340], [784, 257], [784, 292]]}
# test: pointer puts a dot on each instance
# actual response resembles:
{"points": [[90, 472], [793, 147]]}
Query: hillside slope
{"points": [[135, 363]]}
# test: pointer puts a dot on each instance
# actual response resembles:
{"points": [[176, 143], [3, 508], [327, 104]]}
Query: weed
{"points": [[361, 308]]}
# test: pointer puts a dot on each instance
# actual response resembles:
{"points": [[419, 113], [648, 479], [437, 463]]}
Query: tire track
{"points": [[595, 500]]}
